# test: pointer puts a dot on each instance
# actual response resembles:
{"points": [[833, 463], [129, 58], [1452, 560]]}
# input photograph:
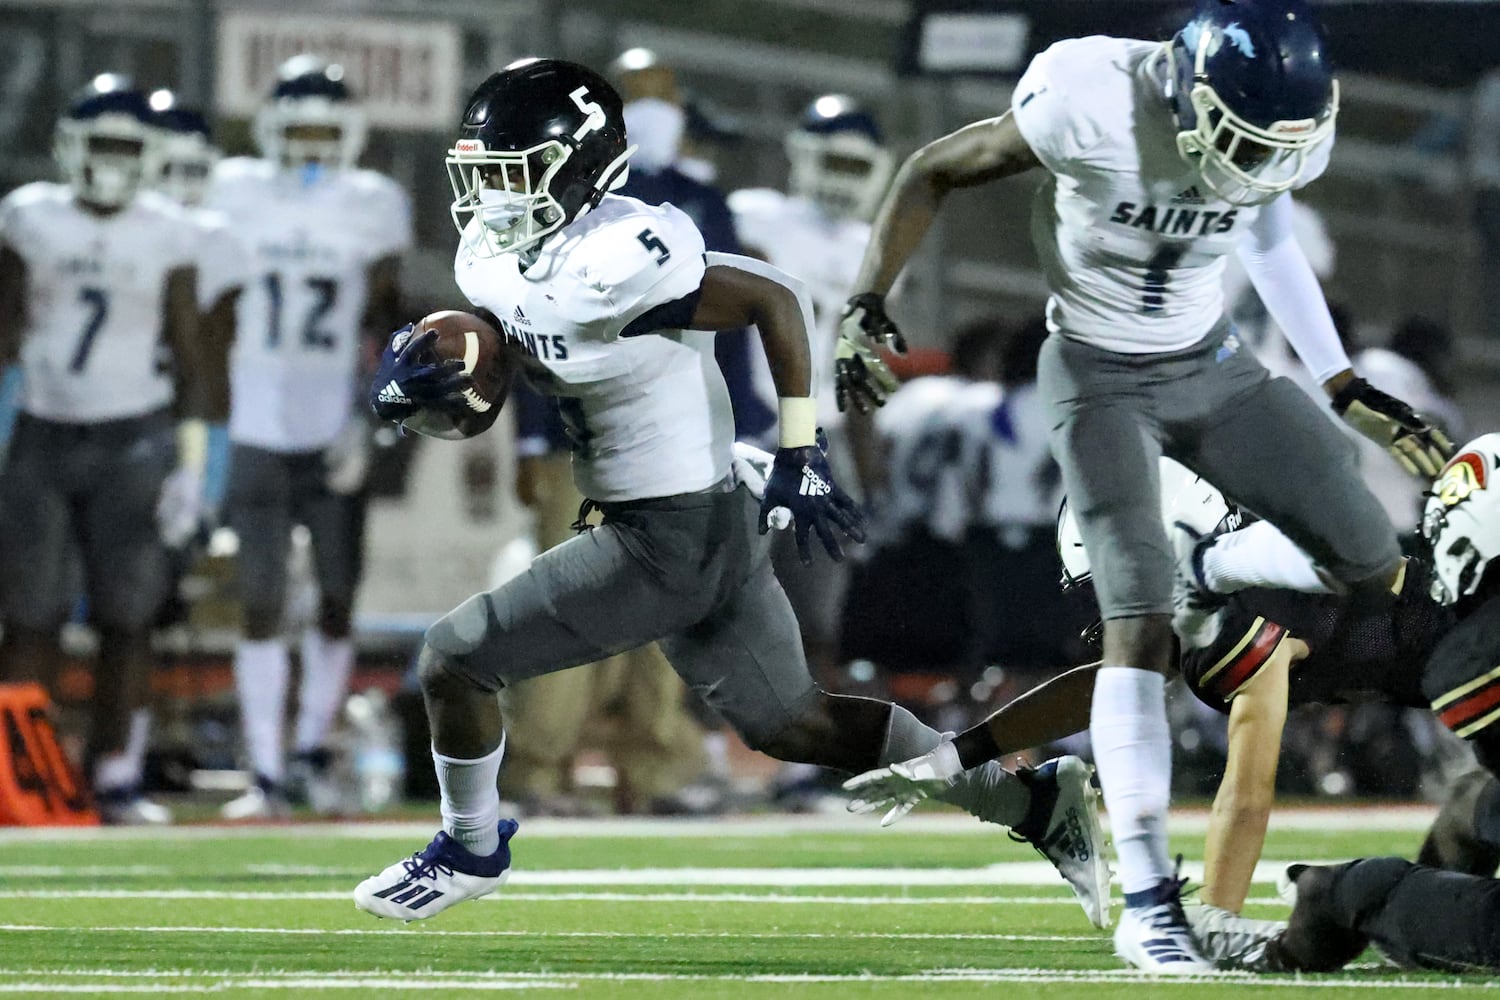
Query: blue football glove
{"points": [[802, 483], [408, 382]]}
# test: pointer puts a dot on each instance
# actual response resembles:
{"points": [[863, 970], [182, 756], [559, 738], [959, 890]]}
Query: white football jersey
{"points": [[824, 253], [223, 260], [648, 414], [1021, 486], [310, 247], [93, 344], [1131, 241], [933, 459]]}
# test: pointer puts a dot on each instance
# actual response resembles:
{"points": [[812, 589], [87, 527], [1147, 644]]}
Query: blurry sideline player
{"points": [[612, 301], [185, 158], [1162, 158], [97, 294], [324, 240], [817, 231]]}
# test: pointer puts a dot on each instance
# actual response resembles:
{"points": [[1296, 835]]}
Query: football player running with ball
{"points": [[1163, 158], [612, 300]]}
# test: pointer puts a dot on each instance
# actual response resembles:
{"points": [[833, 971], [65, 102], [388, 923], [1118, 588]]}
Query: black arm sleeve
{"points": [[675, 315]]}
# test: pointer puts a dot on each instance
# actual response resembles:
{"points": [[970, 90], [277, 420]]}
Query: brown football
{"points": [[465, 337]]}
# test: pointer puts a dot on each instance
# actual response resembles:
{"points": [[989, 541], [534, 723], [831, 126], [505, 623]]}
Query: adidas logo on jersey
{"points": [[392, 394], [520, 317], [814, 485], [1192, 195]]}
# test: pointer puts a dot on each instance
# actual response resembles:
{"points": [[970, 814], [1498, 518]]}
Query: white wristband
{"points": [[798, 421], [192, 444]]}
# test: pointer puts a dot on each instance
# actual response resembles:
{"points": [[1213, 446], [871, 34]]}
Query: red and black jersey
{"points": [[1357, 652]]}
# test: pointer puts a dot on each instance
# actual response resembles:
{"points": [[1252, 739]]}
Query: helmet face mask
{"points": [[1461, 521], [1253, 97], [103, 145], [540, 144]]}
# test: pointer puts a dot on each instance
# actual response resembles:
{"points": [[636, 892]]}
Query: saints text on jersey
{"points": [[538, 345]]}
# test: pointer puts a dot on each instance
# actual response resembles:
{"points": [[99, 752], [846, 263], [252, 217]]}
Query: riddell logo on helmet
{"points": [[468, 146], [1294, 127], [1464, 475]]}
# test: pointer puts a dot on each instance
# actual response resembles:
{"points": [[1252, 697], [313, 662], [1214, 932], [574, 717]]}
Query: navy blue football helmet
{"points": [[838, 157], [185, 153], [101, 141], [310, 118], [541, 142], [1254, 94]]}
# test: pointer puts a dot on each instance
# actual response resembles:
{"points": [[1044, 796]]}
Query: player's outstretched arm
{"points": [[1242, 806], [737, 292], [1051, 711], [975, 154], [1285, 281]]}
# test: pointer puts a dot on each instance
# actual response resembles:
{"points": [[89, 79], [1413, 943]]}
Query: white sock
{"points": [[326, 667], [261, 668], [471, 799], [1260, 556], [1133, 751], [124, 769]]}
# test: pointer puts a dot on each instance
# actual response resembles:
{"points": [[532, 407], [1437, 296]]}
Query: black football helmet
{"points": [[540, 144]]}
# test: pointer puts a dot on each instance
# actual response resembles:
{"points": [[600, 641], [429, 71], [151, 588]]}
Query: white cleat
{"points": [[1195, 608], [429, 882], [261, 801], [1063, 824], [1229, 940], [127, 807], [1154, 935]]}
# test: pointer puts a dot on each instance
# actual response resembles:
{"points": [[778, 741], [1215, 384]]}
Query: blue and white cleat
{"points": [[1154, 935], [427, 883], [1063, 824]]}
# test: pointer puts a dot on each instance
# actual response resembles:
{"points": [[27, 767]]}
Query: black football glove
{"points": [[801, 482], [1420, 447], [860, 376], [408, 382]]}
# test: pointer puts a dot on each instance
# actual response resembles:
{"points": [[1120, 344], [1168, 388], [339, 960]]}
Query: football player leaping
{"points": [[1162, 159], [604, 293], [97, 295], [324, 240]]}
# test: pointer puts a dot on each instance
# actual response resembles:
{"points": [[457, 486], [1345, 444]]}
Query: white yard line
{"points": [[1334, 819], [1028, 873], [109, 981], [723, 935]]}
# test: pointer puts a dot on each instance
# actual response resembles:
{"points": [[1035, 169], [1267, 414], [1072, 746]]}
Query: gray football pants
{"points": [[690, 571], [1214, 408]]}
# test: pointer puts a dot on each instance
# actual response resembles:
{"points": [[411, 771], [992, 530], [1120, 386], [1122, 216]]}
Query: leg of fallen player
{"points": [[1418, 917]]}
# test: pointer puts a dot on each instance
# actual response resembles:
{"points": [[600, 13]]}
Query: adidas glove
{"points": [[409, 380], [1420, 447], [860, 376], [801, 482]]}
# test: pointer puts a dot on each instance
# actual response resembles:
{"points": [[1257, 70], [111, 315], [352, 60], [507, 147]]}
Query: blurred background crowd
{"points": [[776, 126]]}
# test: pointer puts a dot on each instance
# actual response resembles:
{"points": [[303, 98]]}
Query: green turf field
{"points": [[753, 907]]}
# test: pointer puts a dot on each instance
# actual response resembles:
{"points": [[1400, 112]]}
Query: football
{"points": [[462, 336]]}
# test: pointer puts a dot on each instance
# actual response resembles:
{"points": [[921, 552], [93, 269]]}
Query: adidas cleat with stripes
{"points": [[429, 882], [1154, 935], [1063, 824]]}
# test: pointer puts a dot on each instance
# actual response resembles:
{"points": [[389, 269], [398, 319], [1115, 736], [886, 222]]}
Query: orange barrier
{"points": [[38, 786]]}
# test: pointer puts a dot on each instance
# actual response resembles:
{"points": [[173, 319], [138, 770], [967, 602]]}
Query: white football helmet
{"points": [[185, 153], [102, 142], [1462, 520], [310, 119], [838, 158], [1185, 497]]}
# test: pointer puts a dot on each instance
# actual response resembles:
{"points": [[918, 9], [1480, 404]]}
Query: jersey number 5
{"points": [[655, 246]]}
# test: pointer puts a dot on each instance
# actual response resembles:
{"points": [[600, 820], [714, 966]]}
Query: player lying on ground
{"points": [[1269, 648], [601, 293], [1416, 916]]}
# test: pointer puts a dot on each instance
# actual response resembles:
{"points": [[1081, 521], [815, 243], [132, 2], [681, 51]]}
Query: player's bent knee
{"points": [[1144, 642], [439, 677]]}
